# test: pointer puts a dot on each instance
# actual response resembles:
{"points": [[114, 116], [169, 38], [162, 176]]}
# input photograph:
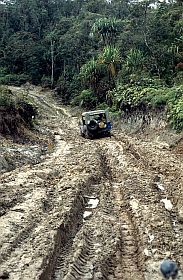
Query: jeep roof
{"points": [[94, 112]]}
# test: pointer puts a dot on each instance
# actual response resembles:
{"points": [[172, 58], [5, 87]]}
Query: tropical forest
{"points": [[121, 54]]}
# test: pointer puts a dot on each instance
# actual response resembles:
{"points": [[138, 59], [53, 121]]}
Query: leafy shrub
{"points": [[179, 78], [155, 98], [86, 99], [46, 81], [6, 97], [66, 88], [128, 98], [175, 112], [102, 106], [14, 79], [3, 71]]}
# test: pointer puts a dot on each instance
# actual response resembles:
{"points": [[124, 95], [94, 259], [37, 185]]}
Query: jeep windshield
{"points": [[94, 116]]}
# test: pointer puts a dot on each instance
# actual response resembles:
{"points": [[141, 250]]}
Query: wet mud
{"points": [[109, 208]]}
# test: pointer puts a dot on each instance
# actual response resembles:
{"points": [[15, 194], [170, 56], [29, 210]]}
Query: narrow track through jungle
{"points": [[91, 209]]}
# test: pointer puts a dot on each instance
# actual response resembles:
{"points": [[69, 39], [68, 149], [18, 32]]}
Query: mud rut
{"points": [[90, 209]]}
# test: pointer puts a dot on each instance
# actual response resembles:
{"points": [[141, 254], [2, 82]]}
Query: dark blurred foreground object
{"points": [[169, 269], [4, 275]]}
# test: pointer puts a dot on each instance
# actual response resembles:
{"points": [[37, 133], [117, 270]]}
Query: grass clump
{"points": [[85, 99], [6, 98]]}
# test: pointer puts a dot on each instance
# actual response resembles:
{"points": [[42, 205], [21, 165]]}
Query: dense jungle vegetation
{"points": [[122, 54]]}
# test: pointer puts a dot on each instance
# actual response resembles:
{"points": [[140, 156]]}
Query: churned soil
{"points": [[109, 208]]}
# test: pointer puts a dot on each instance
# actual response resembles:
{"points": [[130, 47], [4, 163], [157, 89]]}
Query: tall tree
{"points": [[107, 29], [111, 58]]}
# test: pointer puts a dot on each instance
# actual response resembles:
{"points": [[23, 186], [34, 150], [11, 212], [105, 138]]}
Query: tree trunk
{"points": [[52, 62], [147, 44]]}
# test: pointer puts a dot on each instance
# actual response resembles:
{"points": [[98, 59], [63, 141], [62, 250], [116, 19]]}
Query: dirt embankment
{"points": [[150, 125], [16, 113], [109, 208], [21, 140]]}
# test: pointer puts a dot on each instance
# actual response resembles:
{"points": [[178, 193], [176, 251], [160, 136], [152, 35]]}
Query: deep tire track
{"points": [[136, 173], [87, 262], [127, 234], [128, 260]]}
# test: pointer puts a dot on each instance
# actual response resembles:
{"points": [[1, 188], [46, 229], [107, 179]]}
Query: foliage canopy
{"points": [[92, 46]]}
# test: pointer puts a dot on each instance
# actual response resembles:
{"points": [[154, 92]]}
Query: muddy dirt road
{"points": [[109, 208]]}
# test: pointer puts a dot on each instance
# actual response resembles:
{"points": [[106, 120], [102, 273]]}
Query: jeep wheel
{"points": [[93, 125], [88, 135], [81, 133], [108, 134]]}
